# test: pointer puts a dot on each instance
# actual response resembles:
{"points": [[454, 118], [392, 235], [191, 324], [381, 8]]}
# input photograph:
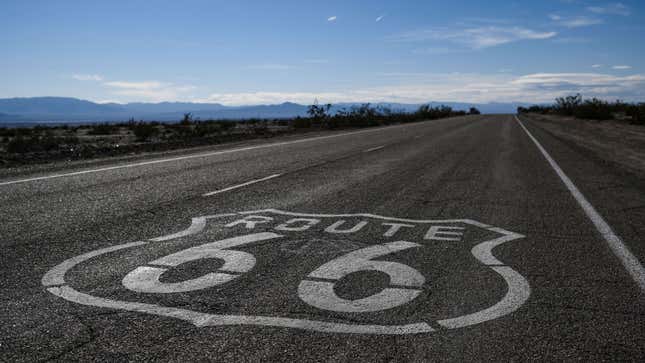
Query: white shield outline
{"points": [[517, 294]]}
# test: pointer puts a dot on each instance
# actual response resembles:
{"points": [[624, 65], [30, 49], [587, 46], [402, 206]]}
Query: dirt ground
{"points": [[71, 143], [614, 142]]}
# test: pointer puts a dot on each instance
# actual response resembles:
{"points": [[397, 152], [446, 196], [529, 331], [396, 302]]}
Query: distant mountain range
{"points": [[73, 110]]}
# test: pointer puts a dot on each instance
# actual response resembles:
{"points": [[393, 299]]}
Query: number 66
{"points": [[319, 294]]}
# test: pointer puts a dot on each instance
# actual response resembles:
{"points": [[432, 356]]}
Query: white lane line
{"points": [[616, 244], [374, 148], [194, 156], [241, 185]]}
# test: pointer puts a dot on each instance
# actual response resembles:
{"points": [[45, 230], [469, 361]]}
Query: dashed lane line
{"points": [[241, 185], [374, 148], [194, 156]]}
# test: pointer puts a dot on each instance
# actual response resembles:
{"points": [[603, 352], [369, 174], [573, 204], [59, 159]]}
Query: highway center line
{"points": [[241, 185], [375, 148], [203, 155], [616, 244]]}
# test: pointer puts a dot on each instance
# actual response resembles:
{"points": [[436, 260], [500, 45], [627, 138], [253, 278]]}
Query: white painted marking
{"points": [[484, 251], [334, 227], [56, 276], [241, 185], [518, 289], [194, 156], [374, 216], [288, 225], [616, 244], [204, 319], [435, 232], [146, 279], [249, 222], [395, 227], [517, 294], [322, 294], [374, 148], [196, 226]]}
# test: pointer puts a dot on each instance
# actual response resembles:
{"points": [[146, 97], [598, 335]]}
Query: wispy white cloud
{"points": [[437, 50], [332, 18], [575, 21], [149, 90], [87, 77], [611, 9], [571, 40], [621, 67], [475, 37], [136, 85], [477, 88], [596, 66], [379, 18], [579, 79]]}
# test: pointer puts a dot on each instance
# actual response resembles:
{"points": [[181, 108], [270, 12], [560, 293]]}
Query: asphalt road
{"points": [[449, 240]]}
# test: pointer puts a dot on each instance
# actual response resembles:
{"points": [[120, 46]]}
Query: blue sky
{"points": [[253, 52]]}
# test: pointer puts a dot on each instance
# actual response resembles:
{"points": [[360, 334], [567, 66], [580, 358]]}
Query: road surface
{"points": [[466, 239]]}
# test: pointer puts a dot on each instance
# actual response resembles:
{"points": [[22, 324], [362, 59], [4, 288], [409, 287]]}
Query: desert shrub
{"points": [[207, 128], [281, 122], [474, 111], [103, 129], [260, 128], [40, 129], [365, 115], [23, 131], [431, 113], [187, 119], [144, 131], [226, 125], [319, 112], [567, 105], [48, 142], [301, 123], [70, 140], [636, 113], [541, 109], [591, 109], [21, 144], [594, 109]]}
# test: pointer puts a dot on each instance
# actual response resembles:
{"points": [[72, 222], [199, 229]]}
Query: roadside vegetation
{"points": [[591, 109], [37, 144]]}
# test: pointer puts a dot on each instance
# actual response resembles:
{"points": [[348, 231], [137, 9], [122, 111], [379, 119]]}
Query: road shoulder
{"points": [[616, 191]]}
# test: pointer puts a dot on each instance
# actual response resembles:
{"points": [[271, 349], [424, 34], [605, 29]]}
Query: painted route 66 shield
{"points": [[349, 273]]}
